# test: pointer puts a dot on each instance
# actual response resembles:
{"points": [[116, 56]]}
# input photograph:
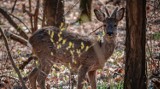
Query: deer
{"points": [[53, 45]]}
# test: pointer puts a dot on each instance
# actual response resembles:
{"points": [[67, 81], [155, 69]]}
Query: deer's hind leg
{"points": [[92, 79], [43, 73], [81, 76], [33, 77]]}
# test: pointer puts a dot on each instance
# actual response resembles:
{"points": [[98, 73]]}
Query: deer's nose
{"points": [[110, 33], [110, 30]]}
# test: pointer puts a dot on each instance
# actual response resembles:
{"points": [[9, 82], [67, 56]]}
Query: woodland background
{"points": [[20, 18]]}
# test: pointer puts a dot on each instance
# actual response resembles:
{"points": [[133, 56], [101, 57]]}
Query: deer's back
{"points": [[58, 46]]}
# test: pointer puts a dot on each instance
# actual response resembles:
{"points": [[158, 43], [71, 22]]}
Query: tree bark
{"points": [[135, 76], [12, 61], [85, 6], [53, 11]]}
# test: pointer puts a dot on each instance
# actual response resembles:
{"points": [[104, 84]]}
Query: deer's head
{"points": [[110, 21]]}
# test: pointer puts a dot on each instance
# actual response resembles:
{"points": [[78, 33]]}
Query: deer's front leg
{"points": [[92, 79], [43, 73], [81, 76]]}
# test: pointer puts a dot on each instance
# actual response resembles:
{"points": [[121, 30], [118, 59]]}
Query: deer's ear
{"points": [[114, 13], [120, 14], [107, 12], [99, 15]]}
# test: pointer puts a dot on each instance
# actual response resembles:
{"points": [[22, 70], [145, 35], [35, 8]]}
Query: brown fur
{"points": [[50, 49]]}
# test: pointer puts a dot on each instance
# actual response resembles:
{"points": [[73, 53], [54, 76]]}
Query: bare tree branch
{"points": [[14, 6], [19, 20], [16, 38], [10, 20], [11, 59]]}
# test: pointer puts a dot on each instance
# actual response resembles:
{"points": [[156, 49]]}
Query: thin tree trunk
{"points": [[53, 11]]}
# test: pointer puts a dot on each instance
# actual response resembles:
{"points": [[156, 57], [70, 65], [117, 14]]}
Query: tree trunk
{"points": [[53, 11], [85, 6], [135, 77]]}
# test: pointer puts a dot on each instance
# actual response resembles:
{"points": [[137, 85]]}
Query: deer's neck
{"points": [[104, 50], [107, 48]]}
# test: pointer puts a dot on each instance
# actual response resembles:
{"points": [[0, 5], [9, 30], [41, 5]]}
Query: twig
{"points": [[14, 6], [10, 20], [31, 19], [93, 31], [19, 20], [71, 8], [11, 59], [36, 16], [44, 15], [30, 14]]}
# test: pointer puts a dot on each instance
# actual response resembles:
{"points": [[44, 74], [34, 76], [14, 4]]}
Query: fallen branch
{"points": [[11, 59]]}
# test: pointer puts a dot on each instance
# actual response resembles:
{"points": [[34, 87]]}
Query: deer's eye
{"points": [[115, 25]]}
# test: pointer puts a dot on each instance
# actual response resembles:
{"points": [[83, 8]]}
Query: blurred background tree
{"points": [[53, 12]]}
